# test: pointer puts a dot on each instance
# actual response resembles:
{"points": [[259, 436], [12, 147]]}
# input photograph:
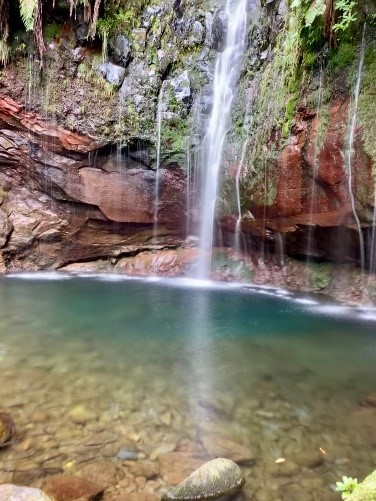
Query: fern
{"points": [[28, 11], [316, 9]]}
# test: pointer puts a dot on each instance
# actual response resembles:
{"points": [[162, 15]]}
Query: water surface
{"points": [[154, 365]]}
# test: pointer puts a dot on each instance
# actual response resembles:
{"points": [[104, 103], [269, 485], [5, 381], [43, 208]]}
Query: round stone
{"points": [[216, 478]]}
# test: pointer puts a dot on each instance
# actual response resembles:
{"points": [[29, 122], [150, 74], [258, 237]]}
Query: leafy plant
{"points": [[347, 16], [347, 486], [28, 11]]}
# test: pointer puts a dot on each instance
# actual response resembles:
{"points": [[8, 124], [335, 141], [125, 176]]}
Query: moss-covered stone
{"points": [[366, 491], [367, 104]]}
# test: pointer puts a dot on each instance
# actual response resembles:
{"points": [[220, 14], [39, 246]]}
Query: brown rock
{"points": [[6, 429], [176, 466], [70, 488], [308, 459], [363, 420], [104, 473], [370, 400], [147, 469], [219, 446]]}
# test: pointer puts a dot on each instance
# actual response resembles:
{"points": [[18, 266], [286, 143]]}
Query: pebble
{"points": [[126, 454]]}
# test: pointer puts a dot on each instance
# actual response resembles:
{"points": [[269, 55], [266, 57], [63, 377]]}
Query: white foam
{"points": [[307, 301], [40, 275]]}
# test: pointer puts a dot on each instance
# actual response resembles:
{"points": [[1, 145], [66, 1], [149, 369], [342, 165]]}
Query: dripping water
{"points": [[372, 259], [311, 228], [225, 75], [160, 114], [354, 111], [246, 129]]}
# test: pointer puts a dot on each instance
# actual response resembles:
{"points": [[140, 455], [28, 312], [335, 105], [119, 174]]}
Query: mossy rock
{"points": [[366, 491], [216, 478]]}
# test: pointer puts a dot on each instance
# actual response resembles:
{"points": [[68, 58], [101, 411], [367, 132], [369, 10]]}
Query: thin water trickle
{"points": [[160, 113], [225, 75], [372, 259], [350, 154], [246, 129], [316, 152]]}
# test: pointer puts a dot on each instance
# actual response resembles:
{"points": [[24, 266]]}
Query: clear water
{"points": [[172, 361]]}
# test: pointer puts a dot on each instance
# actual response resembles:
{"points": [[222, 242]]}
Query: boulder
{"points": [[216, 478], [366, 491], [112, 73], [120, 49], [9, 492]]}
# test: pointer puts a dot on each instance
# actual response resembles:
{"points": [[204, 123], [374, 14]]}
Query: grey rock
{"points": [[182, 86], [82, 32], [216, 33], [127, 454], [77, 55], [112, 73], [10, 492], [216, 478], [198, 32], [120, 49]]}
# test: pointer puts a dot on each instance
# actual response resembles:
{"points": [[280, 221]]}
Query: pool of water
{"points": [[97, 368]]}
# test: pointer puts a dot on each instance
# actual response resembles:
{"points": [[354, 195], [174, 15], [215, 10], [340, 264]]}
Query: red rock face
{"points": [[64, 199], [289, 191], [313, 189]]}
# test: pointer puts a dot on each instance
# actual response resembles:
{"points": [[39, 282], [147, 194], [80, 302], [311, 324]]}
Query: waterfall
{"points": [[160, 113], [354, 111], [225, 75]]}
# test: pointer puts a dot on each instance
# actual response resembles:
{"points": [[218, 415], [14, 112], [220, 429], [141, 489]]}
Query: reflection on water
{"points": [[90, 367]]}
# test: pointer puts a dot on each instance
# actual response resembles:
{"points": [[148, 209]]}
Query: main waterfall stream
{"points": [[110, 368], [225, 76]]}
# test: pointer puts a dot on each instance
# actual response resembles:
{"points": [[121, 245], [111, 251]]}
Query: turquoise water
{"points": [[167, 361]]}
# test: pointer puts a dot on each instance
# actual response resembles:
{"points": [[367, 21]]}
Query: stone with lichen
{"points": [[216, 478], [366, 491]]}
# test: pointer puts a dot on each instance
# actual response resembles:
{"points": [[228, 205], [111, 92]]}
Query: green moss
{"points": [[51, 31], [344, 55], [367, 105], [320, 278]]}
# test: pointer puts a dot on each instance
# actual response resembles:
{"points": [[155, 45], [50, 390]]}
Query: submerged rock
{"points": [[217, 445], [366, 491], [219, 477], [6, 429], [70, 488], [10, 492]]}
